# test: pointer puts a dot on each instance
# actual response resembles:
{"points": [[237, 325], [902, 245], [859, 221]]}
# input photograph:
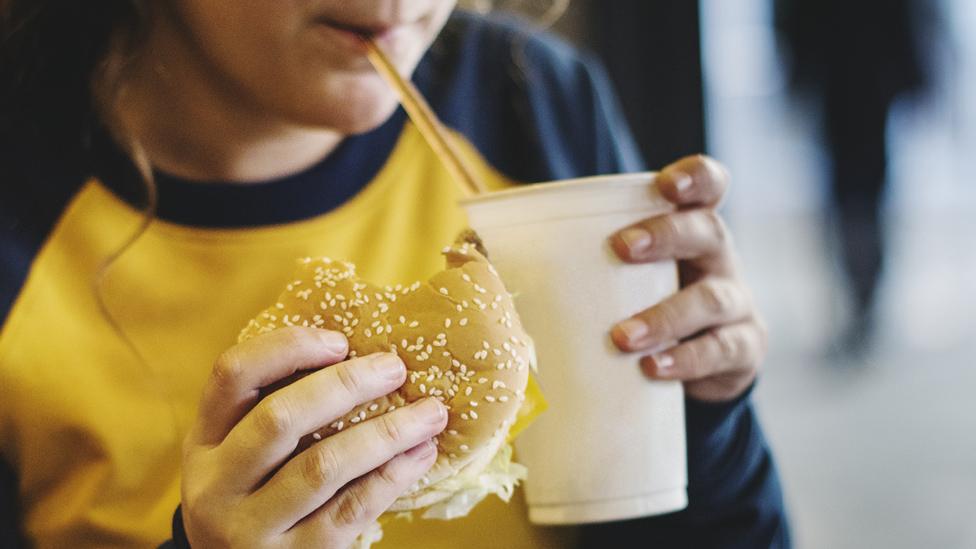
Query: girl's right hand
{"points": [[240, 489]]}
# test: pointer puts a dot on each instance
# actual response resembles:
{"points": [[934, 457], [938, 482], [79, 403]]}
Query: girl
{"points": [[212, 142]]}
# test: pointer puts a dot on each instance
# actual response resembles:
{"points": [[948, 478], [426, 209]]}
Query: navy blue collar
{"points": [[221, 204]]}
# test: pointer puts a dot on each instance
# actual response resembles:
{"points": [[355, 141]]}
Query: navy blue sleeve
{"points": [[10, 534], [539, 110], [178, 540]]}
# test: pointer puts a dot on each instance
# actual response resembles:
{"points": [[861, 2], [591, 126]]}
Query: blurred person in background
{"points": [[855, 60]]}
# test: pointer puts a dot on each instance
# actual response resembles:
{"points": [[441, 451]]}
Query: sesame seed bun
{"points": [[458, 334]]}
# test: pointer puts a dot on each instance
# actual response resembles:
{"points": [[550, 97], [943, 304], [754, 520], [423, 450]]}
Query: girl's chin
{"points": [[361, 115]]}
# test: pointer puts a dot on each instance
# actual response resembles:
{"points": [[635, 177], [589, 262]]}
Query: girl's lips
{"points": [[345, 37], [351, 37]]}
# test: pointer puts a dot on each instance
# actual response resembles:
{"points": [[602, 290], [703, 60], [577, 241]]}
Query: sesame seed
{"points": [[447, 323], [451, 432], [373, 407], [340, 425], [317, 436], [403, 319], [463, 322], [473, 404], [354, 419], [443, 290], [423, 388], [482, 380], [414, 324], [489, 398], [474, 415], [467, 391], [463, 447], [503, 398], [362, 415], [464, 416]]}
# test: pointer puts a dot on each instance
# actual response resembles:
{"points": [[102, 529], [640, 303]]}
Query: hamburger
{"points": [[462, 342]]}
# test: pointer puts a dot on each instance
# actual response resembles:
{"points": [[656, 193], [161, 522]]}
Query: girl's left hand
{"points": [[720, 337]]}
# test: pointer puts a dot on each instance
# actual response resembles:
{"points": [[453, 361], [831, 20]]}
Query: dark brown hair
{"points": [[51, 52]]}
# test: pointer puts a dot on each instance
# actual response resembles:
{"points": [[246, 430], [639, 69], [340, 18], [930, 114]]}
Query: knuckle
{"points": [[298, 338], [353, 506], [389, 428], [758, 344], [389, 473], [228, 368], [727, 343], [350, 378], [274, 416], [321, 467], [664, 319], [718, 297], [716, 229]]}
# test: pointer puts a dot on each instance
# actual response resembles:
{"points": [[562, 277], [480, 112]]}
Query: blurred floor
{"points": [[880, 451]]}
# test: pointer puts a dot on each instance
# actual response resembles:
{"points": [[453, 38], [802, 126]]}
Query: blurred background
{"points": [[850, 131]]}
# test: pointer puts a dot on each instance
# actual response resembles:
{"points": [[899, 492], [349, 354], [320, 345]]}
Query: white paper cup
{"points": [[611, 446]]}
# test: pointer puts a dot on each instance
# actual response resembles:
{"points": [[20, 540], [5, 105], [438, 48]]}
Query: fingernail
{"points": [[422, 450], [389, 366], [664, 361], [431, 410], [335, 341], [636, 239], [682, 181], [634, 330]]}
